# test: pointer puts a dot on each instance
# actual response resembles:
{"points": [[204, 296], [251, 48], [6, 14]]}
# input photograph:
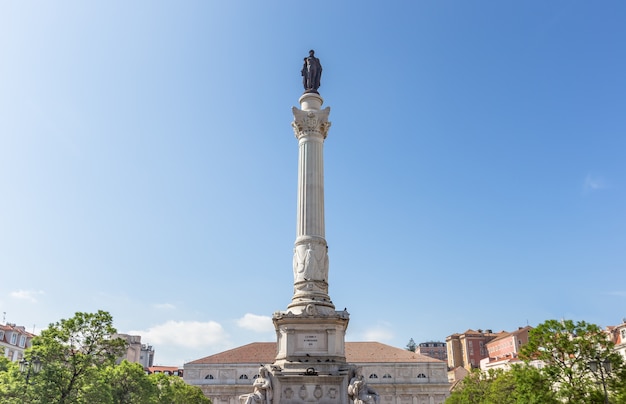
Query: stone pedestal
{"points": [[321, 389], [310, 365], [311, 340]]}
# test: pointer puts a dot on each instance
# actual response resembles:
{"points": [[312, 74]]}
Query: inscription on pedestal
{"points": [[311, 341]]}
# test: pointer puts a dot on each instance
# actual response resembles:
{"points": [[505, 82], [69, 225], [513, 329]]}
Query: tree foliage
{"points": [[73, 351], [520, 385], [79, 367], [411, 345], [174, 390], [563, 350], [566, 349]]}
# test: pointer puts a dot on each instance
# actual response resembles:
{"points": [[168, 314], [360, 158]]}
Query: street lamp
{"points": [[603, 366], [26, 366]]}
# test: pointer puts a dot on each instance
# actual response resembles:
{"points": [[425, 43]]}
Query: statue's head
{"points": [[311, 52]]}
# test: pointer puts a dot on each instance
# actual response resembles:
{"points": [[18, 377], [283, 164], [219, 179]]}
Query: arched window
{"points": [[421, 376], [255, 376], [210, 377], [243, 377], [386, 376], [373, 376]]}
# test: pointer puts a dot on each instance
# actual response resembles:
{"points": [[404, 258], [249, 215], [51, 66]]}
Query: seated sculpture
{"points": [[262, 390], [360, 392]]}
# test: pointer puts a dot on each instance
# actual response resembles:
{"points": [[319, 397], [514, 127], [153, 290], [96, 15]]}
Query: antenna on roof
{"points": [[4, 317]]}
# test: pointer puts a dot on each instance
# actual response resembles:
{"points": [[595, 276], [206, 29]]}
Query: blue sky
{"points": [[475, 169]]}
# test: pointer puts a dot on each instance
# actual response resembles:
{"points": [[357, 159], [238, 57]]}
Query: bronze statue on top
{"points": [[311, 73]]}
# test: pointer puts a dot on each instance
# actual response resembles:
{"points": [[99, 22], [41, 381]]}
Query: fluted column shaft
{"points": [[310, 221], [310, 261]]}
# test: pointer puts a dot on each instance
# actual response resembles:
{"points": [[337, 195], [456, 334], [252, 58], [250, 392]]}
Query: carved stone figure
{"points": [[262, 390], [360, 392], [310, 263], [311, 73]]}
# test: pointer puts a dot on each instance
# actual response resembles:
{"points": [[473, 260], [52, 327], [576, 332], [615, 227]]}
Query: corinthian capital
{"points": [[310, 122]]}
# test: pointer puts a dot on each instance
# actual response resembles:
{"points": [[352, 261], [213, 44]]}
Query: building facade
{"points": [[136, 352], [397, 375], [503, 351], [617, 334], [14, 339], [434, 349], [468, 348]]}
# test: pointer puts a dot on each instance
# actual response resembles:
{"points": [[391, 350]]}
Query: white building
{"points": [[14, 339], [398, 376]]}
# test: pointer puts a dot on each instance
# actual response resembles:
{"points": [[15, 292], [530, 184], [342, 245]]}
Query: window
{"points": [[386, 376], [373, 376], [421, 376], [13, 338], [2, 335], [210, 377], [243, 377], [22, 341]]}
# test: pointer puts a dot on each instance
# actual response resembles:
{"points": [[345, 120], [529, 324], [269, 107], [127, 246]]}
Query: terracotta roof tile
{"points": [[256, 352], [157, 368], [356, 352], [369, 352]]}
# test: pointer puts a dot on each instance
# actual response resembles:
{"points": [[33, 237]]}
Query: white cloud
{"points": [[185, 334], [594, 183], [256, 323], [164, 306], [379, 333], [30, 295]]}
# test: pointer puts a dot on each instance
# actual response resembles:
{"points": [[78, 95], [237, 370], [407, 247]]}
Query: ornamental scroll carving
{"points": [[310, 122]]}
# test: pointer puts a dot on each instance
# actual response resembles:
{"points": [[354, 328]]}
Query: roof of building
{"points": [[12, 328], [369, 352], [510, 334], [20, 329], [163, 369], [356, 352]]}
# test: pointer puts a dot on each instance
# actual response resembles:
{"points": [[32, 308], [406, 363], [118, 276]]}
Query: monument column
{"points": [[310, 256], [310, 364]]}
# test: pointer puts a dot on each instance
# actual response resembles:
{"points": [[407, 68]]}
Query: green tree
{"points": [[12, 383], [126, 383], [411, 345], [173, 390], [531, 386], [78, 357], [566, 349], [521, 384], [73, 352], [129, 383], [471, 390]]}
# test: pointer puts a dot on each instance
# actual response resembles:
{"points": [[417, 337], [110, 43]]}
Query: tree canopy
{"points": [[79, 358], [565, 361], [566, 350]]}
